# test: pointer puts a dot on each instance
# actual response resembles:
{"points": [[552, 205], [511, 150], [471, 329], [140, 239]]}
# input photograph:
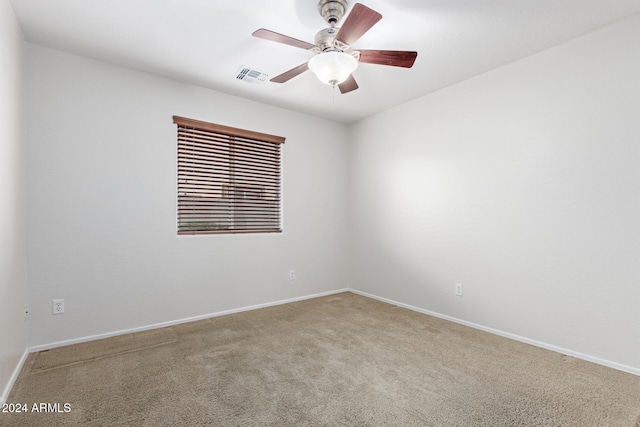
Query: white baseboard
{"points": [[603, 362], [51, 345], [588, 358], [14, 376]]}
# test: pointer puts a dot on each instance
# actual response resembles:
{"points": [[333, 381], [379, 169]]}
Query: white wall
{"points": [[522, 184], [13, 268], [101, 149]]}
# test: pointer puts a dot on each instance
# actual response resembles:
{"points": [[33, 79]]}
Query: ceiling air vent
{"points": [[248, 75]]}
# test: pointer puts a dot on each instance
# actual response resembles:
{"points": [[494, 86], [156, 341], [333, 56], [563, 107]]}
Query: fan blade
{"points": [[288, 75], [281, 38], [394, 58], [359, 21], [348, 85]]}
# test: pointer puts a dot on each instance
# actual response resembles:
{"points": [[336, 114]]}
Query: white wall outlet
{"points": [[292, 275], [58, 306], [458, 290]]}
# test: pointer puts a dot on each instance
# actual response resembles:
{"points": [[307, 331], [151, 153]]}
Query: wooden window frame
{"points": [[229, 179]]}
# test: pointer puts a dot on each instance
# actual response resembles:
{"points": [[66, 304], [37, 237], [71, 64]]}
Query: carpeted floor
{"points": [[341, 360]]}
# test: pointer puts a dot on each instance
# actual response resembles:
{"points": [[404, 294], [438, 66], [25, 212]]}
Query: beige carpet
{"points": [[341, 360]]}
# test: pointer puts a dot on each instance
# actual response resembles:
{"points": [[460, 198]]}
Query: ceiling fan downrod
{"points": [[332, 11]]}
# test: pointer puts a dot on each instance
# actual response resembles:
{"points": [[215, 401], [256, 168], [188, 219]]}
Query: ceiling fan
{"points": [[335, 59]]}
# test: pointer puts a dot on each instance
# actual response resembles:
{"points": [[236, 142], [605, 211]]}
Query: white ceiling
{"points": [[205, 42]]}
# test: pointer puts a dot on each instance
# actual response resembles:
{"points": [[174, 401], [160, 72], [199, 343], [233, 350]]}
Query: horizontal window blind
{"points": [[228, 179]]}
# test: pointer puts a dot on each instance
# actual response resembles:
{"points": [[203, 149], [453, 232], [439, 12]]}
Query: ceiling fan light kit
{"points": [[333, 67], [335, 60]]}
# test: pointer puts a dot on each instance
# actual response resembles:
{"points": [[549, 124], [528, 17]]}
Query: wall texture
{"points": [[102, 203], [13, 237], [523, 185]]}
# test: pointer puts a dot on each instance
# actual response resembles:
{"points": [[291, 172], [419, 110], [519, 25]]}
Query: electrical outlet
{"points": [[292, 275], [58, 306], [458, 290]]}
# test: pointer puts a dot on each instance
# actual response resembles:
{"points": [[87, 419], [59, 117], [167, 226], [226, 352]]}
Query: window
{"points": [[228, 179]]}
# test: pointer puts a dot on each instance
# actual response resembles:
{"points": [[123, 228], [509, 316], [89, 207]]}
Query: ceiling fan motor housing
{"points": [[332, 11], [325, 39]]}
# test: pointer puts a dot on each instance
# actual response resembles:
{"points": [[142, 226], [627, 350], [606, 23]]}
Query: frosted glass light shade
{"points": [[333, 68]]}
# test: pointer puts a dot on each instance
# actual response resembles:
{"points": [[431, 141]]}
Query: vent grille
{"points": [[248, 75]]}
